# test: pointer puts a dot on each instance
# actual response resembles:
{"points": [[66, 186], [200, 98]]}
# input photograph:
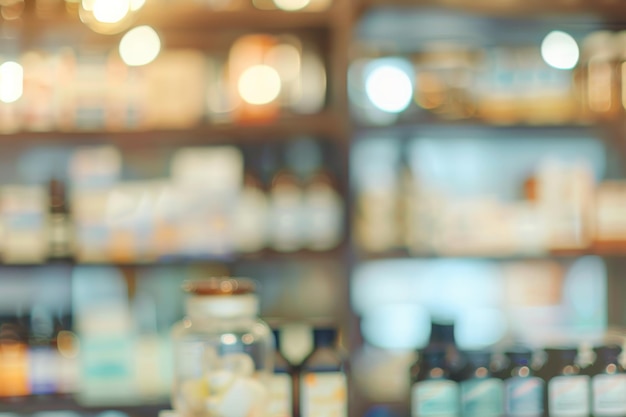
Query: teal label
{"points": [[609, 395], [482, 397], [524, 397], [569, 396], [435, 398]]}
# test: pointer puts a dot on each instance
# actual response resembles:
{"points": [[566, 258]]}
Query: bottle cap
{"points": [[609, 353], [324, 336], [221, 298], [220, 286], [519, 355], [479, 358]]}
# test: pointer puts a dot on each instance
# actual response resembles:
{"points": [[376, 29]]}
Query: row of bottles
{"points": [[95, 91], [37, 354], [405, 201], [471, 384], [219, 201], [502, 84], [314, 388]]}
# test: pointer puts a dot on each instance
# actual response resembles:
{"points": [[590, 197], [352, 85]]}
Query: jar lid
{"points": [[220, 286]]}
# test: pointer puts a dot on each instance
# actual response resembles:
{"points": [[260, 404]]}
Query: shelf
{"points": [[33, 404], [611, 11], [324, 125], [265, 256], [410, 126], [400, 254]]}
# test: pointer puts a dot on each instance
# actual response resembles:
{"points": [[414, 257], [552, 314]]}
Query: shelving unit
{"points": [[196, 26]]}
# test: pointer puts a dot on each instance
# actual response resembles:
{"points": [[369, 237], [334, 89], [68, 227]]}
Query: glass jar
{"points": [[223, 354]]}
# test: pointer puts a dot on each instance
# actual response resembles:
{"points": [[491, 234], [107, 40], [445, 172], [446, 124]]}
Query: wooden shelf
{"points": [[406, 254], [613, 12], [265, 256], [324, 125], [415, 125], [33, 404]]}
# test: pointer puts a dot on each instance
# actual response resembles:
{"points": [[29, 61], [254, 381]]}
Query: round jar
{"points": [[223, 353]]}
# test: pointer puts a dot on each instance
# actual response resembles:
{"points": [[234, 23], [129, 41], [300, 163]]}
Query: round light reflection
{"points": [[560, 50], [110, 11], [291, 5], [389, 88], [259, 84], [140, 46], [11, 82]]}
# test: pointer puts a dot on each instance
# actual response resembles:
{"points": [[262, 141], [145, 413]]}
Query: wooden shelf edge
{"points": [[609, 11], [557, 254], [324, 125]]}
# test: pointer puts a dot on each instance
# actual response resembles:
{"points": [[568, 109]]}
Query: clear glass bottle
{"points": [[223, 353]]}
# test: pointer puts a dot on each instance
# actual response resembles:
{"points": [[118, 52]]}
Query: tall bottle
{"points": [[323, 379], [323, 203], [568, 388], [286, 209], [442, 337], [523, 391], [250, 224], [59, 226], [608, 385], [43, 366], [282, 390], [433, 392], [482, 394]]}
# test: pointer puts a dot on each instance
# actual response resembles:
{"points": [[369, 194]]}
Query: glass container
{"points": [[223, 353]]}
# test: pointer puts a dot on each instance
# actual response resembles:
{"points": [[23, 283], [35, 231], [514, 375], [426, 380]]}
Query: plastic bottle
{"points": [[482, 395], [433, 392]]}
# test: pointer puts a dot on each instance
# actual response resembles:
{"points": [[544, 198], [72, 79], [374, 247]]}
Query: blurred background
{"points": [[382, 163]]}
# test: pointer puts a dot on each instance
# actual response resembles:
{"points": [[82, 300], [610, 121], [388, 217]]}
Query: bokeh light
{"points": [[389, 86], [11, 82], [136, 4], [110, 11], [397, 326], [259, 84], [560, 50], [291, 5], [140, 46]]}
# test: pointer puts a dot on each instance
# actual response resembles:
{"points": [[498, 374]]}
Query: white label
{"points": [[280, 396], [324, 394], [435, 398], [569, 396], [609, 395]]}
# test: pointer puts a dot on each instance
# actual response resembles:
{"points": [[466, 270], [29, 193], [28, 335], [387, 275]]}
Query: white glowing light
{"points": [[560, 50], [11, 82], [110, 11], [291, 5], [136, 4], [259, 84], [389, 88], [140, 46]]}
